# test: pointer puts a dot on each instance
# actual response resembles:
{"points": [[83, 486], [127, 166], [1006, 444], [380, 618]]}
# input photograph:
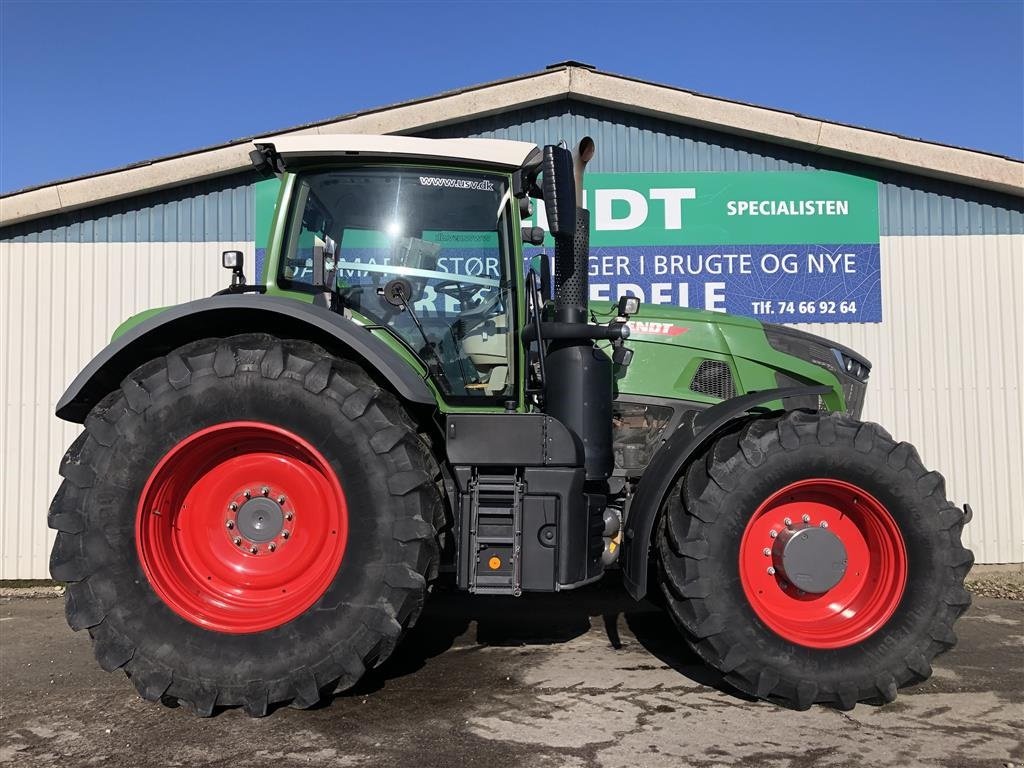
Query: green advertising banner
{"points": [[724, 208]]}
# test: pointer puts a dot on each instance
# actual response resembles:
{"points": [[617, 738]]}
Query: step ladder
{"points": [[495, 534]]}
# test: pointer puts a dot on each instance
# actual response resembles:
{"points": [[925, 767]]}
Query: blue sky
{"points": [[87, 86]]}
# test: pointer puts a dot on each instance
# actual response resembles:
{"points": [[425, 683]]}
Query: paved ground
{"points": [[590, 679]]}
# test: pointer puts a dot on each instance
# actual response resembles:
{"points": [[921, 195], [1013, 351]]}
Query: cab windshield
{"points": [[444, 234]]}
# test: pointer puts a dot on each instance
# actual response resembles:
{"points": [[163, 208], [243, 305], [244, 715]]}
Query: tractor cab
{"points": [[394, 234], [423, 252]]}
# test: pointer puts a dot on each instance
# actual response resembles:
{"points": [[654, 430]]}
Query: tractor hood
{"points": [[676, 349]]}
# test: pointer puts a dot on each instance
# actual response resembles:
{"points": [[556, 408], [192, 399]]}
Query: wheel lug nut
{"points": [[230, 524], [823, 524], [247, 494], [280, 499], [787, 522], [265, 491], [806, 518], [233, 507], [254, 549], [766, 551], [288, 516], [238, 541], [285, 534], [271, 546], [773, 534], [771, 571]]}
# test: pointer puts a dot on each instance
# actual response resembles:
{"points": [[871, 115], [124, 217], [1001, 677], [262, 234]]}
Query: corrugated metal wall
{"points": [[947, 358], [628, 142], [52, 324], [68, 282], [209, 211], [947, 372]]}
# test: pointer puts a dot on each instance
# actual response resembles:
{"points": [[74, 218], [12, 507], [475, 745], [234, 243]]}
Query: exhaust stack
{"points": [[582, 155], [579, 375], [572, 287]]}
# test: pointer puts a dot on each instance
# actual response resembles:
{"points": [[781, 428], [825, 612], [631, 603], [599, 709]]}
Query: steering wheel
{"points": [[469, 318], [458, 291], [453, 289]]}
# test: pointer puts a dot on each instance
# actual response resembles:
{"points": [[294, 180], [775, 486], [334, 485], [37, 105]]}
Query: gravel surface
{"points": [[584, 679], [50, 590], [1008, 586]]}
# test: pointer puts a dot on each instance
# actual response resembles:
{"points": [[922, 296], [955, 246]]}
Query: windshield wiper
{"points": [[397, 292]]}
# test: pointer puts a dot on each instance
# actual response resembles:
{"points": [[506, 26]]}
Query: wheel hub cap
{"points": [[813, 559], [260, 520]]}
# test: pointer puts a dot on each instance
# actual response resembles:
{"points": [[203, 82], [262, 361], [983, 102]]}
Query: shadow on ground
{"points": [[538, 620]]}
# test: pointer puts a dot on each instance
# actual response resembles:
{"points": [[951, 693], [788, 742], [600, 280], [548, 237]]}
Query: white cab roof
{"points": [[492, 153]]}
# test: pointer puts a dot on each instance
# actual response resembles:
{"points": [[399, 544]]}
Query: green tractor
{"points": [[270, 479]]}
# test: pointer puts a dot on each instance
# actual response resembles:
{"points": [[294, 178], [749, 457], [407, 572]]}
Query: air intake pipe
{"points": [[579, 375]]}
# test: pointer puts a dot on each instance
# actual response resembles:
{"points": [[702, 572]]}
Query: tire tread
{"points": [[691, 510], [404, 584]]}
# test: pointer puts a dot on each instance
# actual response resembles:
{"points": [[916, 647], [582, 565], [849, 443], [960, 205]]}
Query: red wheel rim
{"points": [[241, 527], [876, 564]]}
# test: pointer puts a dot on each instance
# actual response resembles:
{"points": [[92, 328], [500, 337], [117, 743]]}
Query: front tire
{"points": [[246, 521], [851, 625]]}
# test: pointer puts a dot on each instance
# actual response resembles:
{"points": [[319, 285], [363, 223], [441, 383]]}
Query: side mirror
{"points": [[235, 261], [559, 191], [532, 235], [324, 264]]}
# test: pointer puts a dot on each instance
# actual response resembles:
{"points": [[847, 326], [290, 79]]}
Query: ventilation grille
{"points": [[714, 378]]}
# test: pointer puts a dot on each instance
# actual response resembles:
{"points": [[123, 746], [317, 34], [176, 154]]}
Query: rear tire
{"points": [[149, 566], [904, 583]]}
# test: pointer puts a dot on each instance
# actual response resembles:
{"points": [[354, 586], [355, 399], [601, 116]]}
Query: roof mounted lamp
{"points": [[235, 261]]}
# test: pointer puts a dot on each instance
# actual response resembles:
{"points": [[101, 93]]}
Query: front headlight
{"points": [[856, 367]]}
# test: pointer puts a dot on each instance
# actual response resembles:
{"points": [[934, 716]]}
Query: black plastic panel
{"points": [[511, 440], [566, 486], [540, 539], [579, 394]]}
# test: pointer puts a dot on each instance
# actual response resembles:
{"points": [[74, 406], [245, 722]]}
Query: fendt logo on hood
{"points": [[656, 329]]}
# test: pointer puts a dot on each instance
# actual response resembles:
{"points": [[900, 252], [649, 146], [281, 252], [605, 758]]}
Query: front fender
{"points": [[668, 462], [226, 316]]}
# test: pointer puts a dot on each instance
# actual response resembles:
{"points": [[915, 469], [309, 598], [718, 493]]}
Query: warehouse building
{"points": [[928, 282]]}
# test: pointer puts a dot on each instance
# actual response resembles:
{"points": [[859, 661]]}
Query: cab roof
{"points": [[487, 153]]}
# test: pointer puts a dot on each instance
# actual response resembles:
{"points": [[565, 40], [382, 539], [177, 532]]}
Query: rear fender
{"points": [[226, 316], [661, 474]]}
